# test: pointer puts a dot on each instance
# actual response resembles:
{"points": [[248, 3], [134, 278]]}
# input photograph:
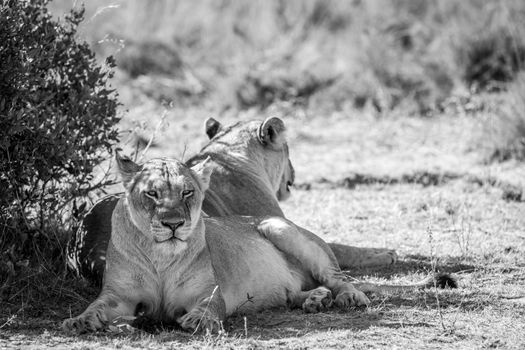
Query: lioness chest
{"points": [[251, 272], [183, 285]]}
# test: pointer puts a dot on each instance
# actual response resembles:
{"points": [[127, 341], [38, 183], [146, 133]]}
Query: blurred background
{"points": [[316, 58]]}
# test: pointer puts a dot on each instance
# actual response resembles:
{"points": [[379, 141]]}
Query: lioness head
{"points": [[164, 197], [264, 142]]}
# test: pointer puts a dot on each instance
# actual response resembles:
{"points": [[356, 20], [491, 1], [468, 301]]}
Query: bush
{"points": [[145, 58], [261, 88], [57, 123], [492, 59]]}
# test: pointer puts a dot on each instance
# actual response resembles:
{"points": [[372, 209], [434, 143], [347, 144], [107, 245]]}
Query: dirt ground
{"points": [[408, 184]]}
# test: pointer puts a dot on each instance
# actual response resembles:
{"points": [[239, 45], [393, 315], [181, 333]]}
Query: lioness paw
{"points": [[90, 322], [319, 299], [381, 257], [351, 298], [392, 255], [200, 320]]}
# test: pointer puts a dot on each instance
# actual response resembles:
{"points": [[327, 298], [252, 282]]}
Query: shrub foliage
{"points": [[496, 57], [57, 122]]}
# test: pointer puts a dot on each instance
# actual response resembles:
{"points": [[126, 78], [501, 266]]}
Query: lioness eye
{"points": [[152, 194], [187, 193]]}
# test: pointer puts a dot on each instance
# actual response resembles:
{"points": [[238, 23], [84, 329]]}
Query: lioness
{"points": [[253, 173], [168, 261]]}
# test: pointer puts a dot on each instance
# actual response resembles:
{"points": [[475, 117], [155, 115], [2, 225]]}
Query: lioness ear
{"points": [[212, 127], [127, 168], [203, 170], [271, 132]]}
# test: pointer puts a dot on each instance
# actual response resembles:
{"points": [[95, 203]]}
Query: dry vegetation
{"points": [[407, 130]]}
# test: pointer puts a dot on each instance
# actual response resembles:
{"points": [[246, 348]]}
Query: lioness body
{"points": [[168, 262], [236, 257], [253, 172]]}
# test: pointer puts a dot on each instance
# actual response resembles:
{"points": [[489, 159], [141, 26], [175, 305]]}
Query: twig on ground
{"points": [[157, 129], [206, 309], [9, 320], [433, 264], [184, 152]]}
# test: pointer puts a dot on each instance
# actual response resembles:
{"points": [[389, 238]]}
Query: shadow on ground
{"points": [[293, 323], [414, 263], [266, 325], [278, 323]]}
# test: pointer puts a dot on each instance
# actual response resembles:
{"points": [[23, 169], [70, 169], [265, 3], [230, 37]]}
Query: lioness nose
{"points": [[173, 225]]}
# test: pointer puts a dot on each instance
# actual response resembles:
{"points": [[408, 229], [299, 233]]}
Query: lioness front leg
{"points": [[207, 315], [99, 314], [314, 256], [350, 257]]}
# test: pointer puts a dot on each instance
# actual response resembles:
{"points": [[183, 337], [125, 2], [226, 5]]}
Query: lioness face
{"points": [[264, 142], [164, 196]]}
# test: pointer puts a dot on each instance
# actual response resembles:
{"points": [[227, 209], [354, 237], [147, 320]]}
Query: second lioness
{"points": [[170, 263], [253, 173]]}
